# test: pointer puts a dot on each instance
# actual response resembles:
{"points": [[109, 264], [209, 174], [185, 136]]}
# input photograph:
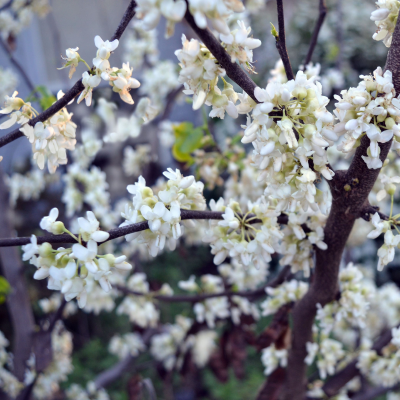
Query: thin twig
{"points": [[7, 5], [281, 41], [74, 91], [314, 39], [18, 66]]}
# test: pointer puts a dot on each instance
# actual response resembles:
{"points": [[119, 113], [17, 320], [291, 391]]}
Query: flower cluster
{"points": [[385, 18], [273, 358], [119, 78], [150, 12], [288, 292], [162, 211], [171, 346], [239, 46], [241, 239], [290, 128], [369, 109], [140, 308], [217, 308], [199, 71], [69, 269], [128, 344]]}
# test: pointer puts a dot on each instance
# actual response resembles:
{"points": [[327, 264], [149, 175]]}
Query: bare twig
{"points": [[74, 91], [252, 294], [18, 66], [233, 70], [281, 41], [125, 230], [346, 207], [314, 39]]}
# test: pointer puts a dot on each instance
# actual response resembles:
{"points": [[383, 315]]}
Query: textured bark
{"points": [[346, 207], [18, 300]]}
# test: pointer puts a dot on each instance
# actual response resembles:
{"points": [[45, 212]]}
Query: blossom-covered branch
{"points": [[128, 229], [74, 91], [232, 69]]}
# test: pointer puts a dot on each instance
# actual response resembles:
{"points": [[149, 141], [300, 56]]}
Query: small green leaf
{"points": [[188, 139], [4, 289], [274, 32]]}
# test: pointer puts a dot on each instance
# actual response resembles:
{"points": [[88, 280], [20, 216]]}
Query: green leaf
{"points": [[187, 140], [4, 289], [47, 98]]}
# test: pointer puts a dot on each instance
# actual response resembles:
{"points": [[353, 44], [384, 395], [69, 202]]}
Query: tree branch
{"points": [[233, 70], [345, 375], [314, 38], [74, 91], [346, 207], [281, 41], [252, 294], [125, 230]]}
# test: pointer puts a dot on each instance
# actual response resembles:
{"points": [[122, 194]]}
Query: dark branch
{"points": [[281, 41], [125, 230], [18, 66], [345, 375], [127, 17], [314, 39], [233, 70], [74, 91]]}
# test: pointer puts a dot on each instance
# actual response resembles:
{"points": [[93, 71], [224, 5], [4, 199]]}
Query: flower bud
{"points": [[57, 228], [110, 259], [390, 123], [390, 188], [371, 85], [45, 250], [300, 93]]}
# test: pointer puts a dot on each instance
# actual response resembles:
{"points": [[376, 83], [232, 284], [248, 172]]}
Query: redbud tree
{"points": [[255, 231]]}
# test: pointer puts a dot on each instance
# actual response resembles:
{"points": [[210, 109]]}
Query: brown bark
{"points": [[18, 300], [346, 207]]}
